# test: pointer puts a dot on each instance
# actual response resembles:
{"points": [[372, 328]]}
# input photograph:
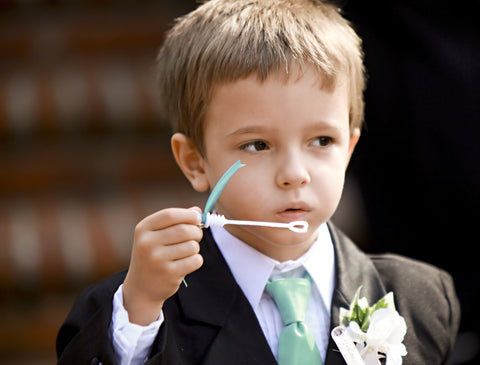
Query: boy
{"points": [[276, 84]]}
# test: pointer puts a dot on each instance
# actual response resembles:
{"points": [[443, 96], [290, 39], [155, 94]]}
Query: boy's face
{"points": [[295, 140]]}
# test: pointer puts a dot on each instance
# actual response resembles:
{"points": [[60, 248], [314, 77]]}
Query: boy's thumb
{"points": [[196, 210], [199, 212]]}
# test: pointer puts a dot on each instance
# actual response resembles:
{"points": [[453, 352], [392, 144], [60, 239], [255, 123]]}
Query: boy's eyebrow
{"points": [[258, 128], [324, 124], [247, 130]]}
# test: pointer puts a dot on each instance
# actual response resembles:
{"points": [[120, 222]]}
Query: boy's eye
{"points": [[322, 141], [255, 146]]}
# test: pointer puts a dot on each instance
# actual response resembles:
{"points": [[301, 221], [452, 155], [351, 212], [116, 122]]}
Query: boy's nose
{"points": [[292, 173]]}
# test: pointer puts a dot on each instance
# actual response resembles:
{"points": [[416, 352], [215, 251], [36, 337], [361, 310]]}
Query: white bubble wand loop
{"points": [[215, 220]]}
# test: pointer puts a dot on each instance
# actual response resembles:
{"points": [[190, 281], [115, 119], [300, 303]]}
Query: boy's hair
{"points": [[227, 40]]}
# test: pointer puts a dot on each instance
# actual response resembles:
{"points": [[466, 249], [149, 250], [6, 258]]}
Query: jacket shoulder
{"points": [[89, 317], [96, 296], [395, 266], [425, 296], [399, 271], [417, 285]]}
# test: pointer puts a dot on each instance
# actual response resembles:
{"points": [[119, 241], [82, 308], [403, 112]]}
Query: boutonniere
{"points": [[368, 333]]}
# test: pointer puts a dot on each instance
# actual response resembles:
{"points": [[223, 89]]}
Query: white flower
{"points": [[378, 331], [385, 334]]}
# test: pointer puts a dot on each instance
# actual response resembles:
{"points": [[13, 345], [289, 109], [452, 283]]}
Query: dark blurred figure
{"points": [[417, 163]]}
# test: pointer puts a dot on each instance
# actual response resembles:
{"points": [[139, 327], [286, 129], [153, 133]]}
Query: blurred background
{"points": [[84, 154]]}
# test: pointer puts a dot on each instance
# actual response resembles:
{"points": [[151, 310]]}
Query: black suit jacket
{"points": [[211, 322]]}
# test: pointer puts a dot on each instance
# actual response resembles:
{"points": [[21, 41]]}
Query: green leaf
{"points": [[366, 320], [361, 313], [385, 302]]}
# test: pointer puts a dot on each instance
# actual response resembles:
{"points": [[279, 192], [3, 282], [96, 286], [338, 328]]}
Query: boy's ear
{"points": [[355, 136], [190, 161]]}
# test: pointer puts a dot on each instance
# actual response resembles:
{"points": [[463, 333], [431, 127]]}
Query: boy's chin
{"points": [[274, 241], [290, 239]]}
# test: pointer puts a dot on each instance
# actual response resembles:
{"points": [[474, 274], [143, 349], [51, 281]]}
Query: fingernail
{"points": [[197, 210]]}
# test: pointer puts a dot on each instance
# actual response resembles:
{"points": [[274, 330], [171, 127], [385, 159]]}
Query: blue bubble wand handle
{"points": [[217, 190]]}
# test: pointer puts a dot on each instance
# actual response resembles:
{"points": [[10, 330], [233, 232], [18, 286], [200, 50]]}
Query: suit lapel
{"points": [[352, 269], [214, 298]]}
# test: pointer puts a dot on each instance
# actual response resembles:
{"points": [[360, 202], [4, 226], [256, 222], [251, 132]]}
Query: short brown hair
{"points": [[227, 40]]}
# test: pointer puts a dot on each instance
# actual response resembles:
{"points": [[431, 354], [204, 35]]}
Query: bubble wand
{"points": [[214, 220]]}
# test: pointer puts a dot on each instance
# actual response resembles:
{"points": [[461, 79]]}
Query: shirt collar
{"points": [[318, 261]]}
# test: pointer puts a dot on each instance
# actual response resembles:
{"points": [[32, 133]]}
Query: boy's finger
{"points": [[188, 265], [169, 217], [170, 236], [177, 252]]}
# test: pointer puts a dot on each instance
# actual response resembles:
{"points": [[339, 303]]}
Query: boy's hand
{"points": [[165, 249]]}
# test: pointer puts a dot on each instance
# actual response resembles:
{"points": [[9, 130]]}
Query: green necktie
{"points": [[296, 345]]}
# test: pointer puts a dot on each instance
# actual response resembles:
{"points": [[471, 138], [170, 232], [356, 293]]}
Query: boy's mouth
{"points": [[296, 212]]}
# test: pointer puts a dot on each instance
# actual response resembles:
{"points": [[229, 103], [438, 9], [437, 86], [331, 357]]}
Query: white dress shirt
{"points": [[251, 269], [132, 342]]}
